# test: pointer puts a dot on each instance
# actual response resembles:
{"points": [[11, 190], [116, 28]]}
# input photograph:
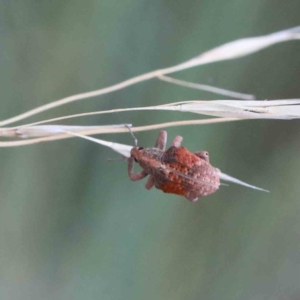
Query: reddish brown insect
{"points": [[176, 170]]}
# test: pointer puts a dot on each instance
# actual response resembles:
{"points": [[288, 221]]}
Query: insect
{"points": [[176, 170]]}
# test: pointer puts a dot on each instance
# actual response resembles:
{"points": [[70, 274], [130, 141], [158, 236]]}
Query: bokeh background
{"points": [[73, 226]]}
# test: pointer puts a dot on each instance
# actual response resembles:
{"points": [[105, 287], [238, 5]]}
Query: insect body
{"points": [[176, 170]]}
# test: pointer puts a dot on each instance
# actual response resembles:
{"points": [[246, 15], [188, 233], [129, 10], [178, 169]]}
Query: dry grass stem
{"points": [[89, 131], [232, 50], [275, 109], [207, 88], [50, 130]]}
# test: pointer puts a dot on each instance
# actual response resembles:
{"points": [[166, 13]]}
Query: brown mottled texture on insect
{"points": [[176, 170]]}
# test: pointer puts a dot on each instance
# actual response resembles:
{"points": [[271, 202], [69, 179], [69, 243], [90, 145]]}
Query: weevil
{"points": [[175, 170]]}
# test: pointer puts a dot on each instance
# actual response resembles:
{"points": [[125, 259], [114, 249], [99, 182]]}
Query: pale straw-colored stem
{"points": [[227, 51], [115, 130], [207, 88]]}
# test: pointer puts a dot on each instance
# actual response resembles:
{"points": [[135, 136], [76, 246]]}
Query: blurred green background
{"points": [[73, 226]]}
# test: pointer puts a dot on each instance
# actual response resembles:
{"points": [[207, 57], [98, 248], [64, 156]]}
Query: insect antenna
{"points": [[132, 134], [117, 159]]}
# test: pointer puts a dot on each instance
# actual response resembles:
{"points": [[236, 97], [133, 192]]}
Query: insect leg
{"points": [[177, 141], [161, 140], [134, 176], [191, 197], [203, 154], [150, 183]]}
